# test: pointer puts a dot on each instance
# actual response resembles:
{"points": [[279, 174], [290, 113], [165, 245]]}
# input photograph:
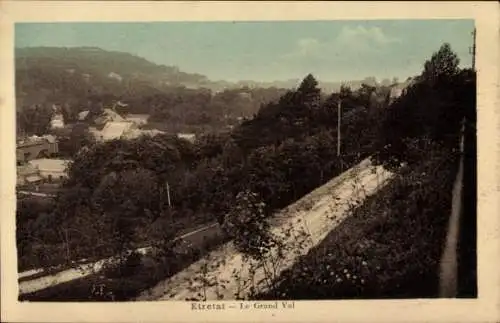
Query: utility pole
{"points": [[472, 50], [339, 107], [168, 196]]}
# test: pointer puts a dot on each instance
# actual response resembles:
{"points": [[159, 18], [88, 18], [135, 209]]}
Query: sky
{"points": [[266, 51]]}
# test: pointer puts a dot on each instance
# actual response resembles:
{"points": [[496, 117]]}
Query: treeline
{"points": [[123, 193]]}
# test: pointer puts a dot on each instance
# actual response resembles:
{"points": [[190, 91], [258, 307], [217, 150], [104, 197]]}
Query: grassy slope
{"points": [[389, 248]]}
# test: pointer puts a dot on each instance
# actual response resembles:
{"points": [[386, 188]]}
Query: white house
{"points": [[191, 137], [57, 121], [114, 130], [51, 169], [83, 115], [115, 76]]}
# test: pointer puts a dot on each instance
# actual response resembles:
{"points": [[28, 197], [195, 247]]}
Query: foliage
{"points": [[69, 144], [433, 107], [35, 119], [387, 247], [247, 225]]}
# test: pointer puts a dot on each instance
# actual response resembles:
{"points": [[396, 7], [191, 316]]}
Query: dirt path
{"points": [[448, 271], [213, 277]]}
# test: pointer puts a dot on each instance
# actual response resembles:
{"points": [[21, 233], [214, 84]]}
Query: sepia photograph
{"points": [[244, 164], [180, 161]]}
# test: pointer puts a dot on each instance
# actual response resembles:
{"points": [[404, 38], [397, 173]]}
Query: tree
{"points": [[128, 201], [365, 93], [345, 91], [79, 137], [443, 63], [309, 93], [35, 120]]}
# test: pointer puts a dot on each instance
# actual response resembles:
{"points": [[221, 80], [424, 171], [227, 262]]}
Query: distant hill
{"points": [[49, 73], [43, 72]]}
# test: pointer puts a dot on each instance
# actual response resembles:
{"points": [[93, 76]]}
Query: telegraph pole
{"points": [[168, 196], [472, 50], [339, 107]]}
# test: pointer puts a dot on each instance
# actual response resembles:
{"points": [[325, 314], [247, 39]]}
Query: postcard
{"points": [[249, 161]]}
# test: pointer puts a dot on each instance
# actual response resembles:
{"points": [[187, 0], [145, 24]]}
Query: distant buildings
{"points": [[107, 116], [27, 174], [111, 125], [191, 137], [83, 115], [50, 170], [36, 147], [44, 170], [86, 77], [121, 130], [115, 76], [399, 89], [116, 129], [57, 121]]}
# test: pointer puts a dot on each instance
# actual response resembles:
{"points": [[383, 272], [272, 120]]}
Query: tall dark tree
{"points": [[309, 93], [430, 111], [443, 63]]}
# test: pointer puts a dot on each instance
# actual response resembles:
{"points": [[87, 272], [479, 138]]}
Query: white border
{"points": [[485, 309]]}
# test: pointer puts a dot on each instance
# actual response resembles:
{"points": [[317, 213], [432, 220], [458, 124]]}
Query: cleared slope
{"points": [[221, 274]]}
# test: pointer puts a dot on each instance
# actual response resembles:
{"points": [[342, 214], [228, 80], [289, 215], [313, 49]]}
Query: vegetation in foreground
{"points": [[391, 246]]}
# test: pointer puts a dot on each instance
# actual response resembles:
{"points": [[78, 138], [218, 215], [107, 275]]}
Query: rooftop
{"points": [[83, 115], [115, 129], [113, 115], [36, 140], [135, 133], [25, 170], [49, 164]]}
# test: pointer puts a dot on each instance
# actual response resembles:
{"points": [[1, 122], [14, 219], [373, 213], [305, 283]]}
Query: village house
{"points": [[28, 174], [191, 137], [57, 121], [36, 147], [112, 130], [50, 170], [82, 116], [399, 89]]}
